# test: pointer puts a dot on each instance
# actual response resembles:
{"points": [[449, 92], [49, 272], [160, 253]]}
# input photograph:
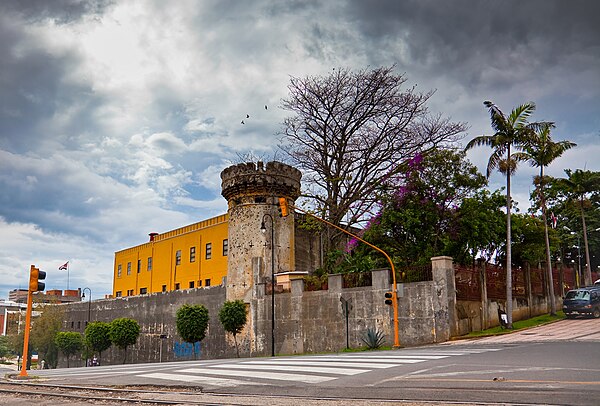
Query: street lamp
{"points": [[89, 303], [263, 230]]}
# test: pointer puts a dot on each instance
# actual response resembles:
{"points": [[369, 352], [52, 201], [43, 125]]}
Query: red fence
{"points": [[468, 281]]}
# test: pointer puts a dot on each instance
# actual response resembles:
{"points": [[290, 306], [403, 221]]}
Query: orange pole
{"points": [[394, 287], [27, 327]]}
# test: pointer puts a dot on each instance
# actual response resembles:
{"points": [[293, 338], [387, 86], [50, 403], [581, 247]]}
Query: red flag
{"points": [[64, 266], [553, 219]]}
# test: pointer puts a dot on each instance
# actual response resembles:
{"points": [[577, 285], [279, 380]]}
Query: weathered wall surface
{"points": [[305, 321], [156, 315]]}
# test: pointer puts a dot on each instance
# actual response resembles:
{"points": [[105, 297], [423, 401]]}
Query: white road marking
{"points": [[262, 375], [265, 365], [209, 380]]}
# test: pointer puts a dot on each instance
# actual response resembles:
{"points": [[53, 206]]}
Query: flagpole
{"points": [[68, 274]]}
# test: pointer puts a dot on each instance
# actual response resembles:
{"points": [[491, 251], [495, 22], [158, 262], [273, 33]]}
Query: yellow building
{"points": [[188, 257]]}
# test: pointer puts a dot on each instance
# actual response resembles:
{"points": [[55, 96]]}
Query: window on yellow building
{"points": [[129, 268], [119, 270], [143, 291], [176, 286], [225, 247], [191, 284], [178, 257], [129, 292], [199, 284], [139, 265], [192, 254], [164, 288], [149, 263], [208, 250], [207, 282], [118, 293]]}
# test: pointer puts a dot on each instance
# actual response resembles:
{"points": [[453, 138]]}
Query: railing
{"points": [[468, 283], [413, 273], [357, 279]]}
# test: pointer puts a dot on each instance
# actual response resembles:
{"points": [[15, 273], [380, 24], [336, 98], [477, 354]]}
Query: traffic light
{"points": [[283, 207], [35, 276], [388, 298]]}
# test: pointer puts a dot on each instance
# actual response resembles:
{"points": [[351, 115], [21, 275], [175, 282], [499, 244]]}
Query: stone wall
{"points": [[306, 322]]}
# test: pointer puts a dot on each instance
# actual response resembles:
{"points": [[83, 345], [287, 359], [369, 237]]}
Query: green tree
{"points": [[123, 333], [233, 317], [69, 343], [420, 215], [43, 333], [97, 337], [580, 186], [4, 347], [192, 322], [512, 131], [540, 151], [349, 130]]}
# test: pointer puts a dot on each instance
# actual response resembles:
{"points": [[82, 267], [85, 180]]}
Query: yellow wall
{"points": [[165, 272]]}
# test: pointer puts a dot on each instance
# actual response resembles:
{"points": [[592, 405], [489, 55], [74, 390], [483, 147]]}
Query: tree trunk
{"points": [[548, 257], [588, 270], [509, 305]]}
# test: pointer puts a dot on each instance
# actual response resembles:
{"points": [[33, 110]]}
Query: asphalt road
{"points": [[557, 364]]}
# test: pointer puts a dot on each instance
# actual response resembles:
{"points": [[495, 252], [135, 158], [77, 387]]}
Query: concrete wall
{"points": [[306, 322]]}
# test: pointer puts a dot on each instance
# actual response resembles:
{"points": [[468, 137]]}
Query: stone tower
{"points": [[252, 192]]}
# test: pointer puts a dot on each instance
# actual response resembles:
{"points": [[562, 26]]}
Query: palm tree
{"points": [[540, 151], [512, 130], [579, 185]]}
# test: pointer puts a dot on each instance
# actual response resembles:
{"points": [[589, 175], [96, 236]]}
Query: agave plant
{"points": [[373, 338]]}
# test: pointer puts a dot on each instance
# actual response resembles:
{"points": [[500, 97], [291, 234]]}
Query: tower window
{"points": [[178, 257], [129, 268], [192, 254], [209, 250], [149, 263]]}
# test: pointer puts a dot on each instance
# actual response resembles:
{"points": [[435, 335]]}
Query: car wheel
{"points": [[596, 313]]}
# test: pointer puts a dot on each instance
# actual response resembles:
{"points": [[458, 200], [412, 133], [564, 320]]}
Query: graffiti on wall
{"points": [[182, 350]]}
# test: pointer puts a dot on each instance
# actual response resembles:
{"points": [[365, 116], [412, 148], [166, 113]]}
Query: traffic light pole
{"points": [[27, 328], [394, 287]]}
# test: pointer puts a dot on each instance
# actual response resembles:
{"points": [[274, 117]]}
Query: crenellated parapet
{"points": [[254, 183]]}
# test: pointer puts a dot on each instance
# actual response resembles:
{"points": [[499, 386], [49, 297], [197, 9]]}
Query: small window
{"points": [[199, 284], [178, 257], [119, 270], [118, 293], [208, 251], [176, 286], [129, 268], [191, 284], [149, 263], [225, 247], [129, 292], [164, 288], [192, 254], [78, 325], [139, 265], [143, 291], [206, 282], [72, 326]]}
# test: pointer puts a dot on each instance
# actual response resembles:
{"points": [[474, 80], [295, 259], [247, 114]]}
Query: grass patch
{"points": [[518, 325]]}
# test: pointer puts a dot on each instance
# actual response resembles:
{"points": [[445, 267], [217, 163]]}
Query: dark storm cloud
{"points": [[465, 37], [34, 92], [61, 11]]}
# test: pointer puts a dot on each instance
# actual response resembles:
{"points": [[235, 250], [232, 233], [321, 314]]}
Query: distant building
{"points": [[18, 295]]}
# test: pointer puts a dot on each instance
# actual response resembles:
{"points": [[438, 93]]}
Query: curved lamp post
{"points": [[263, 229]]}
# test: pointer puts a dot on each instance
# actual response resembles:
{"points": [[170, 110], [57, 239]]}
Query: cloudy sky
{"points": [[116, 117]]}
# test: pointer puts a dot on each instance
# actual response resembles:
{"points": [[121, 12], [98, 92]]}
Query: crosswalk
{"points": [[305, 369]]}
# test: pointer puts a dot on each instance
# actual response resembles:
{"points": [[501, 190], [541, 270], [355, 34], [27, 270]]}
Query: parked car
{"points": [[582, 302]]}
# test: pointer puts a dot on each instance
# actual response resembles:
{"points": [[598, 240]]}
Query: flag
{"points": [[553, 219], [64, 266]]}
